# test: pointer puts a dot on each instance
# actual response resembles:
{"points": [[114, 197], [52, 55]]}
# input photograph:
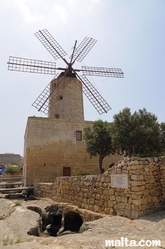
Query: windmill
{"points": [[51, 98]]}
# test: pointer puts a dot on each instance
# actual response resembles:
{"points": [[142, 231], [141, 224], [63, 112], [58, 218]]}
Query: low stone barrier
{"points": [[144, 193]]}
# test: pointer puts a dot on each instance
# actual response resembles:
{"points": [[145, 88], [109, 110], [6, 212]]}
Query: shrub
{"points": [[82, 174], [82, 229], [17, 203], [12, 169], [7, 241]]}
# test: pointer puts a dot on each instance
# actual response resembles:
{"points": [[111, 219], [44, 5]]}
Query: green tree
{"points": [[162, 133], [136, 134], [149, 134], [12, 169], [98, 141]]}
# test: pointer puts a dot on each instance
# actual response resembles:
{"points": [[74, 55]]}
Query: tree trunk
{"points": [[100, 164], [133, 150]]}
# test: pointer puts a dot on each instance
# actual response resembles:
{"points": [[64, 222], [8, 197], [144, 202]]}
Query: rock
{"points": [[18, 221], [66, 232]]}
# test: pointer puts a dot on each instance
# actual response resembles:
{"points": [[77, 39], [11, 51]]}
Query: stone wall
{"points": [[145, 193], [67, 102], [51, 145]]}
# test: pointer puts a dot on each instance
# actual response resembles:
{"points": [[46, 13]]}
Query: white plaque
{"points": [[119, 181]]}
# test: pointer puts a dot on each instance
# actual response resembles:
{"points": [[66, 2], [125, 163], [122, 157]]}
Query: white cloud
{"points": [[82, 7], [22, 9], [60, 12], [25, 11]]}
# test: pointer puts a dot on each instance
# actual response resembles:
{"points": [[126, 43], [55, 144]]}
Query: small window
{"points": [[57, 115], [66, 171], [79, 135]]}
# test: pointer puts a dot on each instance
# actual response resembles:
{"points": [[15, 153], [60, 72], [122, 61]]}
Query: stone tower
{"points": [[66, 102]]}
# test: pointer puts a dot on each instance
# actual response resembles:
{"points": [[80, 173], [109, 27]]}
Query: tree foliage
{"points": [[98, 141], [162, 133], [12, 169], [138, 133]]}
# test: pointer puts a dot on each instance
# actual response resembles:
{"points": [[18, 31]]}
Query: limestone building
{"points": [[54, 146], [11, 158]]}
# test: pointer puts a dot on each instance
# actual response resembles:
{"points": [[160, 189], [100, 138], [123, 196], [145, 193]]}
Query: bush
{"points": [[82, 174], [12, 169], [82, 229]]}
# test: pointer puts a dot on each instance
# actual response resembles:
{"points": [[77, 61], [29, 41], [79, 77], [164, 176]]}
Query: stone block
{"points": [[137, 202], [107, 211], [128, 206], [134, 214], [97, 196], [111, 191], [120, 212], [136, 196], [146, 192], [149, 198], [120, 206], [136, 207], [118, 199], [130, 200], [144, 201], [136, 177], [137, 188], [105, 191], [155, 199], [110, 204], [112, 198], [137, 166], [96, 208], [137, 183], [127, 213], [124, 199]]}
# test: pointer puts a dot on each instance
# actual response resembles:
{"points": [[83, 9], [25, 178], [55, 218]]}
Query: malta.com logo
{"points": [[125, 242]]}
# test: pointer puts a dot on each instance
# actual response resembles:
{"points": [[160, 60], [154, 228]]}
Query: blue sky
{"points": [[130, 35]]}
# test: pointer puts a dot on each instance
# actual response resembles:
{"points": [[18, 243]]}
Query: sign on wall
{"points": [[119, 181]]}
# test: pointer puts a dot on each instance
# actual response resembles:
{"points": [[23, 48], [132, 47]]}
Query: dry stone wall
{"points": [[145, 193]]}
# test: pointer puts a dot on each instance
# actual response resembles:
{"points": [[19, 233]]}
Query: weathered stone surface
{"points": [[137, 177], [51, 146], [146, 188], [149, 227], [18, 221]]}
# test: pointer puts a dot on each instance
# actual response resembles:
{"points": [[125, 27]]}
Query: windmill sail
{"points": [[83, 49], [94, 96], [102, 71], [50, 44], [31, 66], [42, 103]]}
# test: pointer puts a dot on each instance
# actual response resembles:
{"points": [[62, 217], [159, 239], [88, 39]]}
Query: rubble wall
{"points": [[145, 193]]}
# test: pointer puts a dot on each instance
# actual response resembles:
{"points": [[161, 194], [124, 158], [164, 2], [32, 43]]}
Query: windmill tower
{"points": [[54, 146], [62, 98], [68, 103]]}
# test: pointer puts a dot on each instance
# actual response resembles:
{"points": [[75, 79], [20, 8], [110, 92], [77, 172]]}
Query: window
{"points": [[66, 171], [79, 135], [57, 115]]}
